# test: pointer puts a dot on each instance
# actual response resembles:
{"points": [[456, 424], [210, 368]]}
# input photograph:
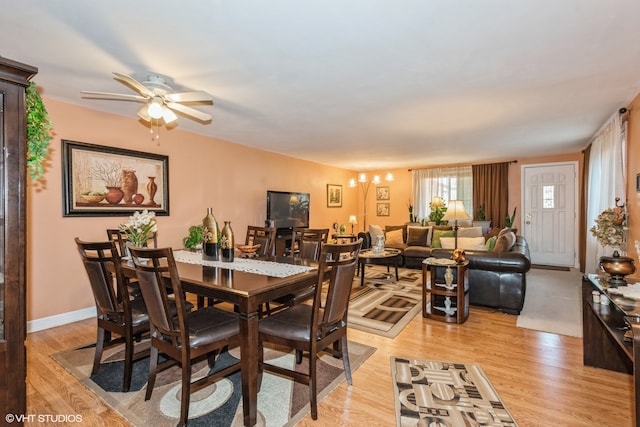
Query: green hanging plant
{"points": [[38, 132]]}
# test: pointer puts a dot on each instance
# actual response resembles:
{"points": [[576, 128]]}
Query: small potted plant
{"points": [[481, 219], [510, 220], [194, 240]]}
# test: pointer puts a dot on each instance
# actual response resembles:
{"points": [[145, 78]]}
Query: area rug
{"points": [[281, 402], [430, 392], [384, 306], [552, 302]]}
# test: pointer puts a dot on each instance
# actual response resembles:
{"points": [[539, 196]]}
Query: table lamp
{"points": [[455, 211], [352, 221]]}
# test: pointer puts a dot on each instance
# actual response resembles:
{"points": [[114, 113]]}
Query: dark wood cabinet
{"points": [[604, 346], [14, 78]]}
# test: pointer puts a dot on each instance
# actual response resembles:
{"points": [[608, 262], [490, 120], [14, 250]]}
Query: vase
{"points": [[129, 184], [114, 195], [226, 242], [617, 267], [152, 187], [448, 277], [209, 237]]}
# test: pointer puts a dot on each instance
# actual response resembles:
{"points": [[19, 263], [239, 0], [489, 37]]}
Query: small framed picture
{"points": [[382, 209], [382, 193], [334, 196]]}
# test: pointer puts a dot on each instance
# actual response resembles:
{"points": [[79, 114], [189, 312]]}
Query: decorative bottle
{"points": [[448, 277], [226, 242], [209, 237]]}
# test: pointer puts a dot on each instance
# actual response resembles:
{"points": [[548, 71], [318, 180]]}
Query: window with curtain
{"points": [[450, 183]]}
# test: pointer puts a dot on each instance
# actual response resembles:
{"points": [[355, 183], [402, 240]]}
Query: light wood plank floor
{"points": [[539, 376]]}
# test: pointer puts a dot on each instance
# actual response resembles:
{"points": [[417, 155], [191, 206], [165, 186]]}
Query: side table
{"points": [[344, 238], [445, 299]]}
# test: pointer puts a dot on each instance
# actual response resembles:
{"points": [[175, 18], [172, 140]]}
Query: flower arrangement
{"points": [[140, 227], [608, 229]]}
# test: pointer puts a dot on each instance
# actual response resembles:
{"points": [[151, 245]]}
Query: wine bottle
{"points": [[209, 237], [226, 242]]}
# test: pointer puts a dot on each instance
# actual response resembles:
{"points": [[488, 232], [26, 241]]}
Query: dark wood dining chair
{"points": [[312, 329], [189, 335], [264, 236], [306, 243], [116, 312]]}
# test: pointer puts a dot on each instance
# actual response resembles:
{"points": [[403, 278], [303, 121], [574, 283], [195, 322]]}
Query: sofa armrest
{"points": [[510, 262]]}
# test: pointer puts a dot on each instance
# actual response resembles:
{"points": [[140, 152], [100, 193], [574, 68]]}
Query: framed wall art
{"points": [[382, 193], [107, 181], [334, 196], [382, 209]]}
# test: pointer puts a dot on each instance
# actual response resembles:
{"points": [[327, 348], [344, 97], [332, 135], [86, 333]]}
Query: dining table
{"points": [[247, 284]]}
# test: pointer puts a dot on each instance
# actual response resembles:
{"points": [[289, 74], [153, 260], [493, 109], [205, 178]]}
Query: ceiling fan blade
{"points": [[134, 84], [115, 95], [189, 111], [196, 96]]}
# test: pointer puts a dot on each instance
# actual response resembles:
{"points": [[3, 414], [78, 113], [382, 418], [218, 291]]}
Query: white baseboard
{"points": [[60, 319]]}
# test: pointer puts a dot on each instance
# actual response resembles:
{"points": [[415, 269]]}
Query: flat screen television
{"points": [[288, 209]]}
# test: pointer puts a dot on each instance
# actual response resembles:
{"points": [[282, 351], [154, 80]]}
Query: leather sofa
{"points": [[496, 279]]}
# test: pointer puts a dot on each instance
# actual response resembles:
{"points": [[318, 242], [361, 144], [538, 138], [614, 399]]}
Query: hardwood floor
{"points": [[539, 376]]}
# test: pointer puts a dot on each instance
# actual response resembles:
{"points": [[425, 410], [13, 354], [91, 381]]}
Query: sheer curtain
{"points": [[450, 183], [606, 181]]}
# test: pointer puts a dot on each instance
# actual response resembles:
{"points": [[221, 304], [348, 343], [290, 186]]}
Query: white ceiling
{"points": [[360, 84]]}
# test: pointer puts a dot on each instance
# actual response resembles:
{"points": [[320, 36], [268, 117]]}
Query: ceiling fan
{"points": [[159, 99]]}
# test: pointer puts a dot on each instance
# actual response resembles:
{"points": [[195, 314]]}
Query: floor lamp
{"points": [[364, 186], [455, 211]]}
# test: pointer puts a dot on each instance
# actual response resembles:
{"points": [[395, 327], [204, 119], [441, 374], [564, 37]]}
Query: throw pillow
{"points": [[438, 234], [470, 232], [467, 243], [491, 243], [418, 236], [463, 223], [505, 242], [393, 238], [375, 231]]}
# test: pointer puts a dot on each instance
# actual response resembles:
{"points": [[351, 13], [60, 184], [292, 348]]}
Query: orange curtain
{"points": [[491, 188]]}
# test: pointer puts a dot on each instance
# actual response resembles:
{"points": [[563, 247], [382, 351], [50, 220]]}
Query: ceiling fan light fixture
{"points": [[155, 108], [168, 116]]}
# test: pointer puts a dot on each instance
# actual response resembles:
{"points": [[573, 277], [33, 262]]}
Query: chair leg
{"points": [[153, 370], [345, 359], [128, 361], [313, 396], [99, 347], [298, 357], [186, 392]]}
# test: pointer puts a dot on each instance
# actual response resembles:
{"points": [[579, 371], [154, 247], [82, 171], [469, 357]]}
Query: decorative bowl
{"points": [[248, 249], [93, 198]]}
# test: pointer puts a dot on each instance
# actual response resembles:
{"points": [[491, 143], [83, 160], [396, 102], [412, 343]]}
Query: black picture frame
{"points": [[91, 170], [638, 183]]}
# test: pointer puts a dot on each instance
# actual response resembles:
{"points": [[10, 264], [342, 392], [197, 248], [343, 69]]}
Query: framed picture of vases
{"points": [[107, 181]]}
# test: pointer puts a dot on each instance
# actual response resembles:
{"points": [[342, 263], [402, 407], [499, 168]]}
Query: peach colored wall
{"points": [[203, 172], [633, 168]]}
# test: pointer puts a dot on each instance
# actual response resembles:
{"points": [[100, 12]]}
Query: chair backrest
{"points": [[309, 242], [102, 262], [342, 260], [120, 237], [152, 267], [265, 236]]}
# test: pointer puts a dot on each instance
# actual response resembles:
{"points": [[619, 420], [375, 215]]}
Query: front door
{"points": [[549, 221]]}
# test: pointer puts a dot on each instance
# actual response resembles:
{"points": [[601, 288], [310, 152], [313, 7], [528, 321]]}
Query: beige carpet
{"points": [[438, 393], [281, 402], [552, 302], [384, 306]]}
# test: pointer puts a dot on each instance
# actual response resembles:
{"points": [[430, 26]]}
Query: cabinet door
{"points": [[14, 77]]}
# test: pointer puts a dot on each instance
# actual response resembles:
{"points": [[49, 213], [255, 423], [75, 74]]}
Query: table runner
{"points": [[265, 268]]}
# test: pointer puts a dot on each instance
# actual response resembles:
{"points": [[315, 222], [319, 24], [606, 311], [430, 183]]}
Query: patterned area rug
{"points": [[281, 402], [438, 393], [384, 306]]}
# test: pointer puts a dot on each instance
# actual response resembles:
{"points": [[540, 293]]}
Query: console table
{"points": [[603, 328], [440, 301]]}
